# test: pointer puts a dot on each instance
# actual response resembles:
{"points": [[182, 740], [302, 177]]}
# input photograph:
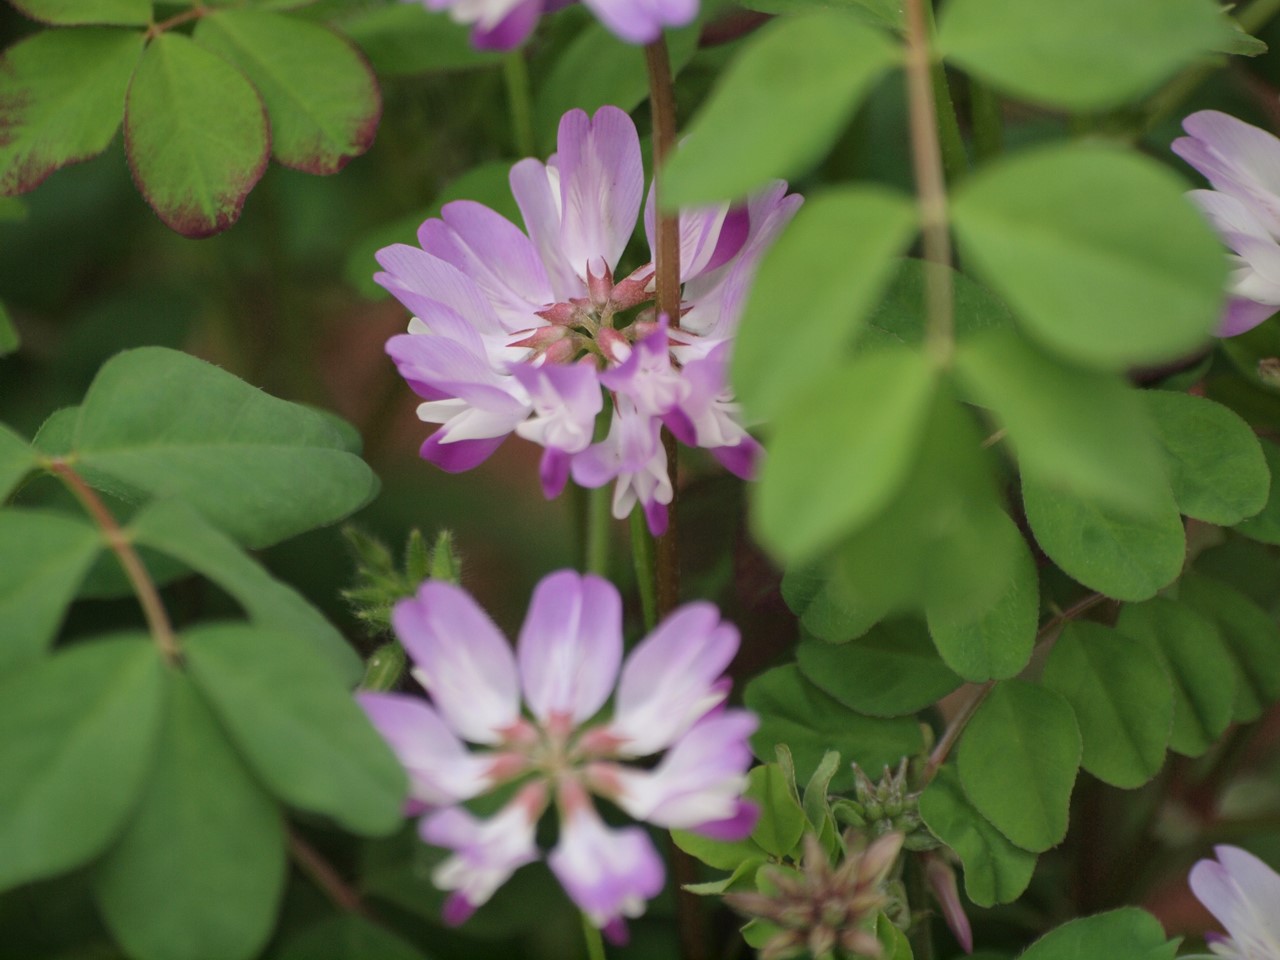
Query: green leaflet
{"points": [[17, 459], [1129, 933], [407, 39]]}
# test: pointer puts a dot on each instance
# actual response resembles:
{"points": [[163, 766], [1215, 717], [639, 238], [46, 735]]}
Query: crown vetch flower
{"points": [[567, 662], [1242, 163], [505, 24], [517, 332], [1242, 892]]}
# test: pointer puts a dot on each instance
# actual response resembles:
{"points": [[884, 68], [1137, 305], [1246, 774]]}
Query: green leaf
{"points": [[995, 870], [196, 135], [1198, 662], [806, 306], [320, 93], [1129, 933], [77, 732], [175, 529], [1017, 762], [794, 712], [17, 459], [1080, 431], [349, 937], [61, 97], [882, 13], [1250, 634], [198, 872], [998, 643], [1122, 555], [298, 725], [782, 819], [893, 671], [160, 423], [9, 339], [1083, 55], [840, 451], [43, 557], [1122, 697], [894, 942], [402, 39], [819, 603], [1216, 465], [721, 854], [1097, 250], [900, 316], [73, 13], [1265, 526], [778, 107]]}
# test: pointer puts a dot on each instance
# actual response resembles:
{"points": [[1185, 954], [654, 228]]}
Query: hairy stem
{"points": [[515, 74], [143, 586], [931, 187]]}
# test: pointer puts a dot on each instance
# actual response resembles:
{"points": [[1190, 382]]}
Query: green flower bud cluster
{"points": [[884, 807]]}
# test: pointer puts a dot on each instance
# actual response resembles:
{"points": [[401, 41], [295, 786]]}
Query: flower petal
{"points": [[511, 31], [536, 188], [608, 873]]}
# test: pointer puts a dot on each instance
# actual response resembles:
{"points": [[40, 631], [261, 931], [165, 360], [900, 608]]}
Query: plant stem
{"points": [[598, 523], [987, 119], [325, 876], [1255, 16], [515, 73], [931, 188], [143, 586], [642, 554], [595, 945], [955, 160]]}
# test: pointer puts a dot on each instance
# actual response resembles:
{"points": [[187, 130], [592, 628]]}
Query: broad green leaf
{"points": [[721, 854], [1127, 933], [883, 13], [1017, 762], [350, 937], [1198, 662], [900, 317], [812, 596], [297, 724], [1077, 430], [893, 671], [9, 339], [778, 107], [995, 870], [1098, 252], [894, 943], [43, 557], [1216, 465], [794, 712], [998, 643], [1250, 634], [17, 459], [1265, 526], [61, 97], [806, 307], [161, 423], [72, 13], [176, 530], [596, 69], [840, 450], [405, 38], [1122, 697], [320, 94], [196, 135], [198, 872], [1122, 555], [77, 732], [1084, 55], [782, 819]]}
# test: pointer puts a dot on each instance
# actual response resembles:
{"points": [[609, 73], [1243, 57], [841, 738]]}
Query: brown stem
{"points": [[143, 586], [195, 13], [931, 185], [325, 876]]}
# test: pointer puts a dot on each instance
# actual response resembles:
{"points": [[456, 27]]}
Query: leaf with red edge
{"points": [[320, 92], [73, 13], [61, 96], [196, 135]]}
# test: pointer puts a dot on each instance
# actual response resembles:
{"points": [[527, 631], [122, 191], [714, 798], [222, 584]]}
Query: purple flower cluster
{"points": [[505, 24], [669, 697], [1244, 894], [517, 332]]}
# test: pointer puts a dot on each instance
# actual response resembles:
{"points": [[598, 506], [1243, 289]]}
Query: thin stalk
{"points": [[515, 74], [595, 944], [987, 120], [955, 160], [1256, 16], [143, 586], [598, 523], [642, 554], [325, 876], [931, 186]]}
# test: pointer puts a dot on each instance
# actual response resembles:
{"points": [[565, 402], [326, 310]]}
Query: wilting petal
{"points": [[699, 781], [441, 770], [570, 646], [670, 680], [461, 659], [1242, 892]]}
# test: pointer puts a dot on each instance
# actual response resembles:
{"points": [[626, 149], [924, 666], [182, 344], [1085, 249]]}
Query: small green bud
{"points": [[384, 668], [445, 562]]}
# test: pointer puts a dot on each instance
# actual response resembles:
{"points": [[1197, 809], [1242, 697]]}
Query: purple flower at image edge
{"points": [[1243, 893], [506, 24], [517, 332], [1242, 164], [534, 718]]}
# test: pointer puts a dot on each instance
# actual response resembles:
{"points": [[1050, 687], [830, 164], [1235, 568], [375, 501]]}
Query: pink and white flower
{"points": [[1243, 893], [526, 333], [505, 24], [1242, 163], [534, 714]]}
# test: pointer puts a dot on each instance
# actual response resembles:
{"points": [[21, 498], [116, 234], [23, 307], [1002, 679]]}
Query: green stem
{"points": [[598, 523], [642, 553], [987, 119], [595, 944], [1255, 16], [515, 73]]}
